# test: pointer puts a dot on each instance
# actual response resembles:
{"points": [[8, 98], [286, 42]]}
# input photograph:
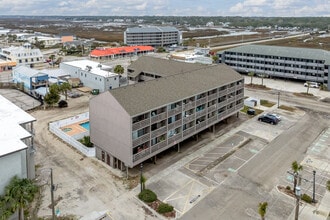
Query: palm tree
{"points": [[119, 69], [296, 168], [143, 181], [65, 87], [19, 193], [251, 74], [262, 209]]}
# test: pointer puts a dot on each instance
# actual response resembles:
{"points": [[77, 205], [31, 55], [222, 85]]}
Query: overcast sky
{"points": [[268, 8]]}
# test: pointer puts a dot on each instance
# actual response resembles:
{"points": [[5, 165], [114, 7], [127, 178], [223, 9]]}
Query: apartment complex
{"points": [[16, 143], [275, 61], [152, 36], [131, 124], [23, 55]]}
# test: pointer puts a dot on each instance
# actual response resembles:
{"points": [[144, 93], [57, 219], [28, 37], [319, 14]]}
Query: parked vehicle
{"points": [[278, 117], [311, 84], [268, 119], [251, 111]]}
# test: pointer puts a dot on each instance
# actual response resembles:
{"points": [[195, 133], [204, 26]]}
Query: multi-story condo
{"points": [[92, 74], [23, 55], [285, 62], [152, 36], [16, 143], [131, 124]]}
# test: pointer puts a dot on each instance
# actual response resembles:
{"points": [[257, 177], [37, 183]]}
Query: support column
{"points": [[179, 148]]}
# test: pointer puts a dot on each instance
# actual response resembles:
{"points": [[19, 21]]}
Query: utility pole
{"points": [[52, 188], [278, 99], [314, 172], [141, 166], [298, 193]]}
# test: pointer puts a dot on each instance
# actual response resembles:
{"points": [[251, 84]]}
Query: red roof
{"points": [[107, 51]]}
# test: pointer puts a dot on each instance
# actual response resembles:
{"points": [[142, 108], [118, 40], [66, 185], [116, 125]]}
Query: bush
{"points": [[147, 195], [164, 208], [288, 187], [306, 198]]}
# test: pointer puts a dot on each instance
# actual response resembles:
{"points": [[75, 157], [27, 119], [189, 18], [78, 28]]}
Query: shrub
{"points": [[164, 208], [288, 187], [306, 198], [147, 195]]}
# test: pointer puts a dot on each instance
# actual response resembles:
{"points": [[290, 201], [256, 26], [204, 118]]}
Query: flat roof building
{"points": [[286, 62], [131, 124], [118, 52], [16, 143], [153, 36]]}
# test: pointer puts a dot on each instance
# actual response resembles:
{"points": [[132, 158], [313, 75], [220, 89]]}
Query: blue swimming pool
{"points": [[85, 125]]}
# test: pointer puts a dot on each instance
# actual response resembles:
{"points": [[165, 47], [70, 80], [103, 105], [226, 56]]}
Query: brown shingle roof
{"points": [[145, 96]]}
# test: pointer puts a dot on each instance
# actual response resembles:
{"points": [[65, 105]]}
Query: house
{"points": [[92, 74], [153, 36], [23, 55], [131, 124], [303, 64], [31, 78], [16, 143]]}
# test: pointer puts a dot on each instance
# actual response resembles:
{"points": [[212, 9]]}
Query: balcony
{"points": [[158, 132], [188, 118], [200, 113], [222, 115], [212, 96], [174, 111], [201, 101], [158, 146], [141, 124], [200, 125], [211, 120], [141, 154], [158, 117], [222, 104], [231, 89], [175, 124], [211, 108], [188, 131], [222, 92], [174, 139], [189, 105], [141, 140]]}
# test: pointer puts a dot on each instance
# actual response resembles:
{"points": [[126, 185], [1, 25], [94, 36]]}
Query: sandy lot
{"points": [[84, 186]]}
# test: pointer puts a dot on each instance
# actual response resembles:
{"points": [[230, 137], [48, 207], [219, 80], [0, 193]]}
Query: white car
{"points": [[311, 84]]}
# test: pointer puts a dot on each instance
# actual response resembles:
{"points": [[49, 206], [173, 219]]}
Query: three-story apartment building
{"points": [[303, 64], [131, 124]]}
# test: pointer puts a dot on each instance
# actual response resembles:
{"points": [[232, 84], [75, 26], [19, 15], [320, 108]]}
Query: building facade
{"points": [[285, 62], [131, 124], [23, 55], [31, 78], [153, 36], [16, 143], [92, 74]]}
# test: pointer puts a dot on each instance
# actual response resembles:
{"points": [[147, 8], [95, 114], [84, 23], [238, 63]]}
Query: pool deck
{"points": [[76, 128]]}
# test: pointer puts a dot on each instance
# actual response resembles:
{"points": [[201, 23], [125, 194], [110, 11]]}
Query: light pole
{"points": [[314, 172], [278, 99], [298, 193], [52, 188], [141, 166]]}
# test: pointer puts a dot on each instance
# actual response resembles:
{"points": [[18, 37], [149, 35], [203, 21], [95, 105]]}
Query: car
{"points": [[278, 117], [251, 111], [311, 84], [268, 119]]}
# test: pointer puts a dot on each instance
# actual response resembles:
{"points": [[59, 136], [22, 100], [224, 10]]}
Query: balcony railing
{"points": [[174, 139], [158, 117], [231, 89], [211, 108], [175, 124], [158, 146], [141, 140], [141, 154], [158, 132], [141, 124], [188, 131], [188, 118], [211, 120], [189, 105], [201, 101], [174, 111], [200, 113], [212, 96], [200, 125]]}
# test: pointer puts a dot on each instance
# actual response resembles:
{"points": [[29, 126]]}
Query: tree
{"points": [[19, 193], [119, 69], [262, 78], [262, 209], [251, 74], [296, 168], [143, 180], [64, 88], [52, 97], [215, 59]]}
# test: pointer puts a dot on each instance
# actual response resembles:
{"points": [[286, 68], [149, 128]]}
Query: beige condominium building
{"points": [[131, 124]]}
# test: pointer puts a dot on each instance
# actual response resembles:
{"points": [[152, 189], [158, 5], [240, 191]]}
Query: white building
{"points": [[16, 143], [92, 74], [48, 41], [23, 55]]}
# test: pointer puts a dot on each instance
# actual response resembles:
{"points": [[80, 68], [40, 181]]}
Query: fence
{"points": [[55, 128]]}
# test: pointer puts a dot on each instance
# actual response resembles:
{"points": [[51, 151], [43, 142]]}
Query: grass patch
{"points": [[267, 103], [246, 108], [303, 94], [288, 108], [147, 196]]}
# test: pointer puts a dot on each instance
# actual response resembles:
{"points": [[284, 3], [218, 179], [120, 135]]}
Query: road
{"points": [[239, 195]]}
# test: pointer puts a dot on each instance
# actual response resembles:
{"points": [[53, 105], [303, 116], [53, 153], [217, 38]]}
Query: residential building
{"points": [[153, 36], [92, 74], [23, 55], [131, 124], [16, 143], [274, 61], [47, 41], [149, 68], [31, 78], [118, 52]]}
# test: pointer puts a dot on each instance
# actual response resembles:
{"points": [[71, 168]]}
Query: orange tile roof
{"points": [[107, 51]]}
